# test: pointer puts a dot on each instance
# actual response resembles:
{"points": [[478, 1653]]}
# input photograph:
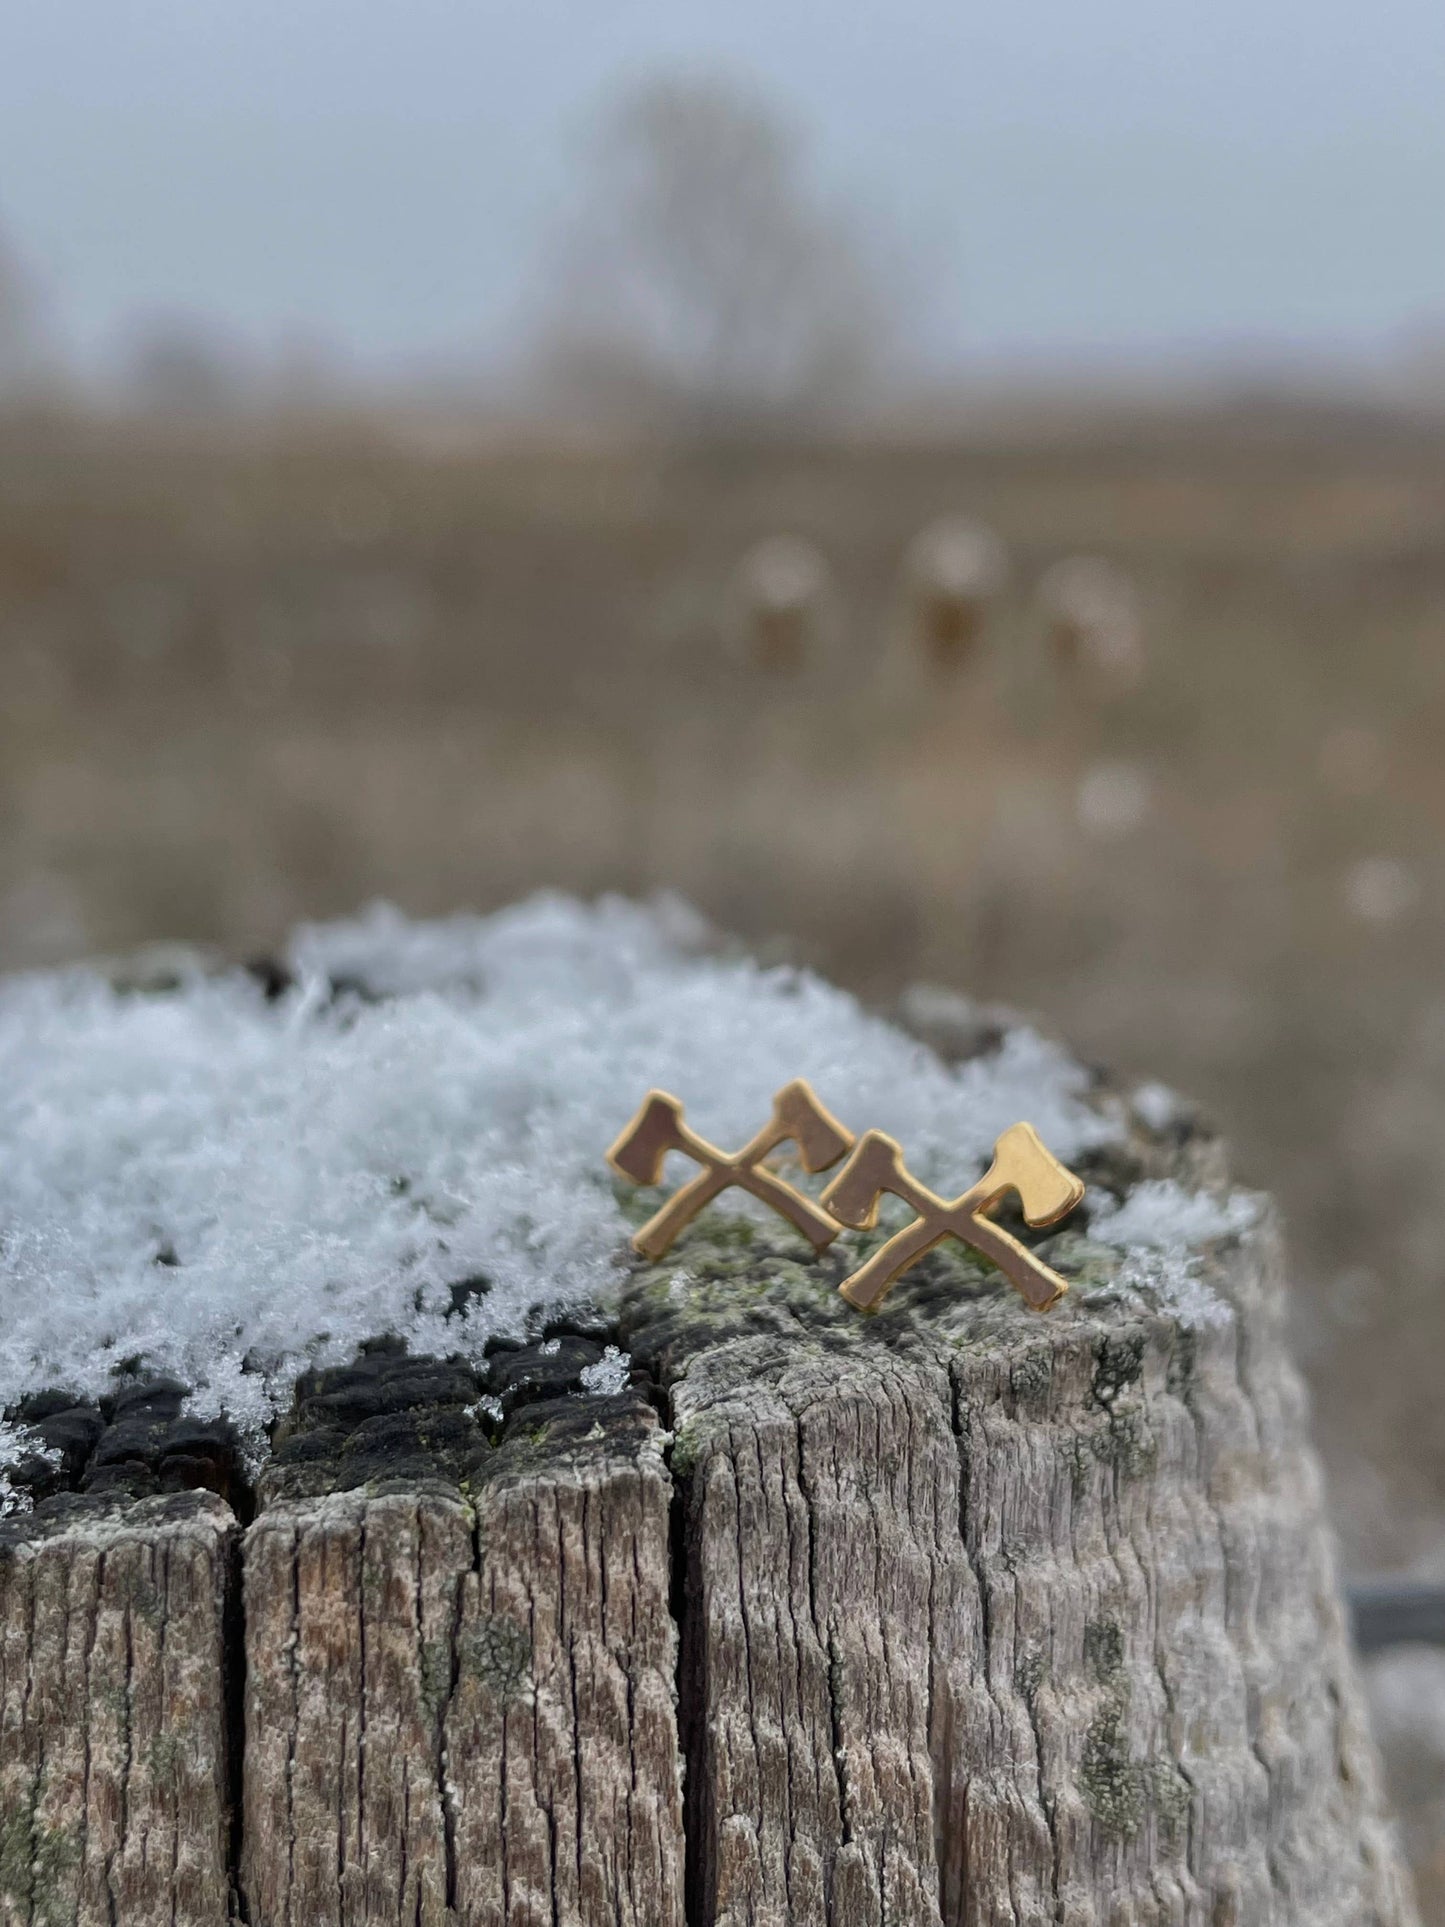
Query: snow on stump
{"points": [[387, 1546]]}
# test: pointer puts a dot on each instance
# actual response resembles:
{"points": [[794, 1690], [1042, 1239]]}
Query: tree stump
{"points": [[115, 1785], [957, 1615]]}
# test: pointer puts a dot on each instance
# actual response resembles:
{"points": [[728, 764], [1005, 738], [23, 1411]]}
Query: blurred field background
{"points": [[1112, 687], [255, 677]]}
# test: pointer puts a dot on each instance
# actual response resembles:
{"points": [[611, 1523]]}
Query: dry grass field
{"points": [[252, 677]]}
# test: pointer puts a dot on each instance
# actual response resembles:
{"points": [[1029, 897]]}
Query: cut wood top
{"points": [[1151, 1244], [711, 1599]]}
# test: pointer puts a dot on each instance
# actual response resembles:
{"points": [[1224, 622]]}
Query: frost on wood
{"points": [[700, 1600], [1161, 1215]]}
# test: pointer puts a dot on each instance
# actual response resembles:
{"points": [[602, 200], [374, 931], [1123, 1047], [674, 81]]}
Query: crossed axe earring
{"points": [[658, 1128], [1021, 1163], [1047, 1190]]}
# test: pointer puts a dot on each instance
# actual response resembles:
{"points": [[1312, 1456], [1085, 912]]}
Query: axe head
{"points": [[876, 1166], [1022, 1162], [641, 1150], [799, 1115]]}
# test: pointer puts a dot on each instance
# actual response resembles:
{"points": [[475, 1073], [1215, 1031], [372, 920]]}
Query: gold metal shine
{"points": [[798, 1116], [1021, 1163]]}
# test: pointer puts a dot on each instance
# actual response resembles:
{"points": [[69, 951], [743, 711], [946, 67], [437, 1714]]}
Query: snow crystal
{"points": [[1158, 1105], [552, 937], [230, 1189], [1170, 1281], [1160, 1215], [1160, 1227], [609, 1374], [14, 1444]]}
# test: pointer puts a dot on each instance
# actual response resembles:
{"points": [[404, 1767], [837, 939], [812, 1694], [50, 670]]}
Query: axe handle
{"points": [[1035, 1283], [871, 1283], [1031, 1278], [658, 1234], [800, 1211]]}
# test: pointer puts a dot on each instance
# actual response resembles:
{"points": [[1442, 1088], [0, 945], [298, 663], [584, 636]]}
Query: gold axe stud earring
{"points": [[1021, 1163], [658, 1128]]}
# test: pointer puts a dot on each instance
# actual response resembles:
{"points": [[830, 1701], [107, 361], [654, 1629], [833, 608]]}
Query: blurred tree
{"points": [[305, 376], [19, 321], [179, 365], [704, 284], [1420, 364]]}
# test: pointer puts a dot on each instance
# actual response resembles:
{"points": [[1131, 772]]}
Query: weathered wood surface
{"points": [[114, 1776], [956, 1616], [1036, 1630], [464, 1711]]}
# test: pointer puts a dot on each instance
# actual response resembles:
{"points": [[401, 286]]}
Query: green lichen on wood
{"points": [[163, 1760], [1031, 1376], [34, 1860], [1126, 1445], [1104, 1649], [712, 1290], [1118, 1364], [732, 1278], [685, 1451], [496, 1653], [1030, 1672], [736, 1235], [434, 1667], [1088, 1267], [1120, 1791], [1171, 1798], [637, 1203], [1115, 1787]]}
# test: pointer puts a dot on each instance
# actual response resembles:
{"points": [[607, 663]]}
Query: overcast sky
{"points": [[1071, 176]]}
